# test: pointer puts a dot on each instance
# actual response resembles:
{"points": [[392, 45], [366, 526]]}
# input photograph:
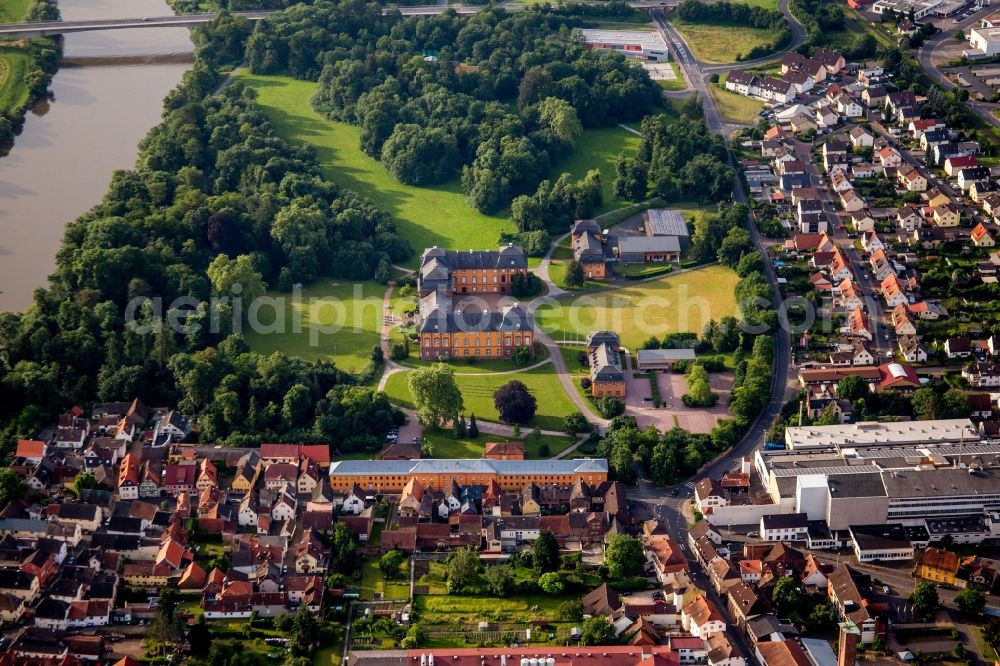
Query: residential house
{"points": [[888, 157], [969, 175], [958, 347], [908, 218], [935, 197], [851, 201], [702, 618], [947, 215], [981, 237], [861, 138], [901, 322], [955, 163], [911, 349], [911, 179], [862, 221], [858, 325], [892, 291], [247, 471], [880, 264], [850, 592]]}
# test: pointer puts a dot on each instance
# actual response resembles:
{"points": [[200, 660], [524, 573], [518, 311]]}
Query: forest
{"points": [[215, 200], [498, 97]]}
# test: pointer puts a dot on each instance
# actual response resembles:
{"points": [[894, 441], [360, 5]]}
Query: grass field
{"points": [[14, 65], [599, 149], [13, 11], [355, 306], [425, 216], [477, 390], [766, 4], [328, 656], [677, 83], [680, 302], [444, 445], [736, 108], [720, 43], [373, 582]]}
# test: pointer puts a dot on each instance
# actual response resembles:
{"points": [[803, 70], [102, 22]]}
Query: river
{"points": [[106, 96]]}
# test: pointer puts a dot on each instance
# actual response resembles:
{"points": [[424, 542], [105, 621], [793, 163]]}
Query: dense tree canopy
{"points": [[504, 95], [217, 205]]}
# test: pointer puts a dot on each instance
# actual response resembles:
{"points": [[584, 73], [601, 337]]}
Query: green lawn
{"points": [[13, 11], [444, 445], [677, 83], [425, 216], [328, 656], [477, 390], [721, 43], [571, 356], [599, 149], [766, 4], [373, 581], [737, 108], [674, 303], [457, 609], [355, 306], [14, 65]]}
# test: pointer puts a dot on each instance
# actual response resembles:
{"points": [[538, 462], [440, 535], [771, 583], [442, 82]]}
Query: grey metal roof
{"points": [[442, 319], [643, 244], [660, 355], [606, 364], [941, 483], [665, 222], [856, 485], [467, 466]]}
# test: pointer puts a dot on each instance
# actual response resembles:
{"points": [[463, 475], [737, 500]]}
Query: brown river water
{"points": [[106, 96]]}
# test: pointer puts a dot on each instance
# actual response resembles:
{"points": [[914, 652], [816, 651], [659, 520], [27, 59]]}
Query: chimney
{"points": [[848, 648]]}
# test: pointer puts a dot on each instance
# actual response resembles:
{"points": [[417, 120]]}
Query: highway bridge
{"points": [[42, 28]]}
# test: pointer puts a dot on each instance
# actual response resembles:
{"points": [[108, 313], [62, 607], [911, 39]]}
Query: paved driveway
{"points": [[672, 386]]}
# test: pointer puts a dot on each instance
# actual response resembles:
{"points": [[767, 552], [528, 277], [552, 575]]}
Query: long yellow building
{"points": [[390, 476]]}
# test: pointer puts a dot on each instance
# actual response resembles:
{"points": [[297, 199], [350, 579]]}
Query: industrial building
{"points": [[921, 8], [635, 44]]}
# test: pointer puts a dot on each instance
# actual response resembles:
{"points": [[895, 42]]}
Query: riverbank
{"points": [[26, 70], [87, 125]]}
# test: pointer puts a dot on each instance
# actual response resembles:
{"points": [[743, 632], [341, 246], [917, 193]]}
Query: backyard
{"points": [[374, 586], [426, 216], [710, 42], [335, 321], [477, 391], [674, 303]]}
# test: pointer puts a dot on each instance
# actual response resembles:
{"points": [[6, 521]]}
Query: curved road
{"points": [[798, 37], [782, 376], [925, 57]]}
